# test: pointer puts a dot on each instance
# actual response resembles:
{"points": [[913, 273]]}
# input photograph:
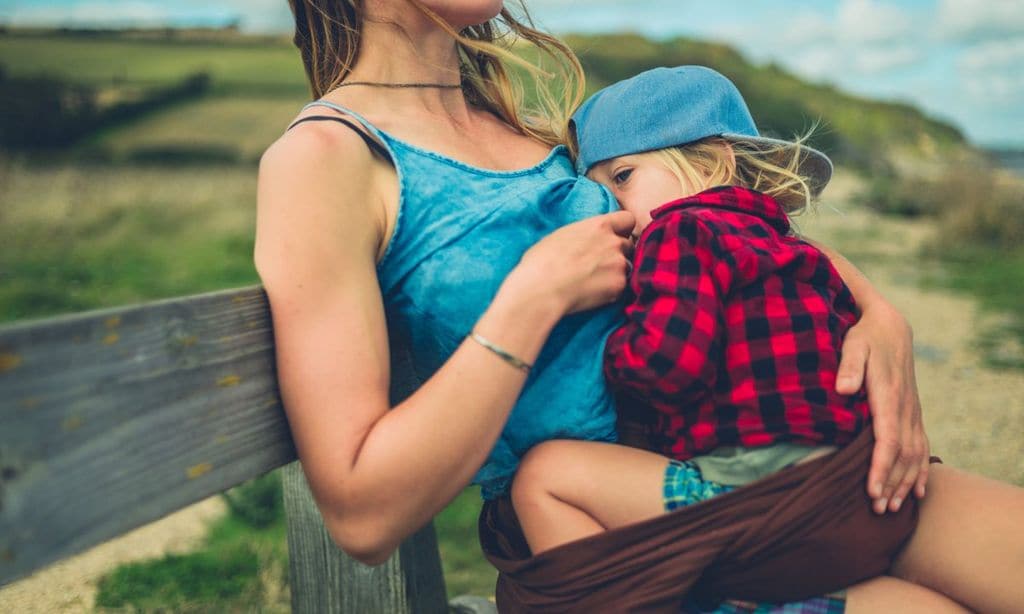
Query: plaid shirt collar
{"points": [[732, 197]]}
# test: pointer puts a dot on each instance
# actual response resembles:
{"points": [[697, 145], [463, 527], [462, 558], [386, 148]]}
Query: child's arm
{"points": [[879, 350], [668, 350]]}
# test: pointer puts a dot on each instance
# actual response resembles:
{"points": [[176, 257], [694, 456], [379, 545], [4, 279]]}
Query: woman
{"points": [[329, 211]]}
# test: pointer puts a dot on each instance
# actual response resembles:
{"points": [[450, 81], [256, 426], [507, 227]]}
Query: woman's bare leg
{"points": [[895, 596], [969, 543], [566, 490]]}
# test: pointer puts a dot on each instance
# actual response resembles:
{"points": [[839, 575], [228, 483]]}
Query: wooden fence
{"points": [[112, 419]]}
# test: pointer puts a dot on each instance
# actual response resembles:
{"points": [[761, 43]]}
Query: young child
{"points": [[730, 348]]}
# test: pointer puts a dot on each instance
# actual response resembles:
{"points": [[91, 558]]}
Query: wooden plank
{"points": [[324, 580], [112, 419]]}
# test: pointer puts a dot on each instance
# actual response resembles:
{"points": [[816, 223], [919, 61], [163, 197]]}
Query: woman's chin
{"points": [[465, 13]]}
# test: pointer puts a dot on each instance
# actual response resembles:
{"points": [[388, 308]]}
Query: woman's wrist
{"points": [[877, 306], [531, 299], [519, 320]]}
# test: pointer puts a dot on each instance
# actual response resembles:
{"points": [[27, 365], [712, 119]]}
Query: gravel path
{"points": [[70, 585], [974, 415]]}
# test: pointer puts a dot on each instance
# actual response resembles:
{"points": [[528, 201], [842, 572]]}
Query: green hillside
{"points": [[257, 84]]}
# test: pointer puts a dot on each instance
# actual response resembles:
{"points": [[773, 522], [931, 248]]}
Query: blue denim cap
{"points": [[668, 107]]}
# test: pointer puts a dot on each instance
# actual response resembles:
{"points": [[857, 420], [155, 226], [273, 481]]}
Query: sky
{"points": [[959, 60]]}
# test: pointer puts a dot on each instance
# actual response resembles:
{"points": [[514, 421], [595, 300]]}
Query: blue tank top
{"points": [[459, 231]]}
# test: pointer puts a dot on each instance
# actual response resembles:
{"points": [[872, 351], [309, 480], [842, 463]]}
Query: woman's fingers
{"points": [[622, 222], [922, 474], [878, 353], [849, 379], [884, 459]]}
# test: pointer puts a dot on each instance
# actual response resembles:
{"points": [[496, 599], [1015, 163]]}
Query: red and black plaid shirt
{"points": [[733, 329]]}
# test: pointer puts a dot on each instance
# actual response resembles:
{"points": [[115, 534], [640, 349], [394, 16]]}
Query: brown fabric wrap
{"points": [[802, 532]]}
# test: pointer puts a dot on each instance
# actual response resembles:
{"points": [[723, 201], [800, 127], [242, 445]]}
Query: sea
{"points": [[1012, 159]]}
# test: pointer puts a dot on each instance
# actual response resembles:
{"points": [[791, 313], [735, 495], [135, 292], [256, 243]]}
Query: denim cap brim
{"points": [[669, 107]]}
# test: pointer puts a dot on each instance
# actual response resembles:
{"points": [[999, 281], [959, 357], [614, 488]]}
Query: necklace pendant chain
{"points": [[445, 86]]}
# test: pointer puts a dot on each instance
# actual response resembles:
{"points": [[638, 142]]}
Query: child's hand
{"points": [[878, 351]]}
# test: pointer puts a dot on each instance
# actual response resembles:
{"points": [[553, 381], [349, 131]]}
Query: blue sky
{"points": [[960, 60]]}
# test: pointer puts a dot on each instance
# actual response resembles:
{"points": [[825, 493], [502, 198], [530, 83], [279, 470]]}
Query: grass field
{"points": [[76, 237], [261, 66], [233, 127]]}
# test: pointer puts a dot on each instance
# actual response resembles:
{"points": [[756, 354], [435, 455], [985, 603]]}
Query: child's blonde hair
{"points": [[773, 169]]}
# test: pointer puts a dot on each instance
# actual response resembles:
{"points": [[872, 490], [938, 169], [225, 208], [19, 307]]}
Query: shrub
{"points": [[259, 502], [181, 582], [43, 112]]}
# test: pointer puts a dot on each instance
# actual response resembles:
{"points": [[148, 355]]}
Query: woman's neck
{"points": [[417, 52]]}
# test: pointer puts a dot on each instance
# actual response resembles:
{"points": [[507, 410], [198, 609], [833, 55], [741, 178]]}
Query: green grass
{"points": [[260, 66], [242, 565], [466, 572], [996, 278], [78, 237], [240, 126]]}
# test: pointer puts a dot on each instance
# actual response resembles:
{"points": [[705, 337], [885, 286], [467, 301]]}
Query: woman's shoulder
{"points": [[319, 185], [312, 143]]}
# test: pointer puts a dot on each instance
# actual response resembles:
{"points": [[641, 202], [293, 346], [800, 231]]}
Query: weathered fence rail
{"points": [[115, 418]]}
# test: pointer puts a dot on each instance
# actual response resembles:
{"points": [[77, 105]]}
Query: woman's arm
{"points": [[379, 473], [879, 351]]}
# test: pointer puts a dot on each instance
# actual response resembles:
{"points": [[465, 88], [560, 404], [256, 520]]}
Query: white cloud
{"points": [[867, 21], [1007, 54], [978, 20], [863, 38], [873, 61], [991, 73]]}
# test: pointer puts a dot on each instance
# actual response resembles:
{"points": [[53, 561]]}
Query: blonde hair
{"points": [[328, 33], [773, 169]]}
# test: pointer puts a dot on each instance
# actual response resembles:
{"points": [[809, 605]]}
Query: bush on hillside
{"points": [[44, 112], [974, 206], [40, 112]]}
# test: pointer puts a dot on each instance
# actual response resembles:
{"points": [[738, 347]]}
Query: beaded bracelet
{"points": [[501, 352]]}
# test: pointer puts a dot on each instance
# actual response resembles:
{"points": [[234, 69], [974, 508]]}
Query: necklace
{"points": [[446, 86]]}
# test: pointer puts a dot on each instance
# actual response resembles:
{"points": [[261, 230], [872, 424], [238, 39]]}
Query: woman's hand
{"points": [[878, 351], [580, 266]]}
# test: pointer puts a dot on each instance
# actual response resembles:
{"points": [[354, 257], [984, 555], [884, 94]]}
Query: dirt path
{"points": [[70, 585], [974, 415]]}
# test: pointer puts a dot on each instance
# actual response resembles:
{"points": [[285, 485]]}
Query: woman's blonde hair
{"points": [[328, 33], [773, 169]]}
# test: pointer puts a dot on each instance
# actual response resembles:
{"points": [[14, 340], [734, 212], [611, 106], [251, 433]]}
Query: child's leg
{"points": [[566, 490], [969, 543]]}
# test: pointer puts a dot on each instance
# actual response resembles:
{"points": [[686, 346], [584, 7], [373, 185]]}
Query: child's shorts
{"points": [[684, 485]]}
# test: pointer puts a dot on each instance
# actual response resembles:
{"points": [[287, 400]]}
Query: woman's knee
{"points": [[968, 542], [888, 594]]}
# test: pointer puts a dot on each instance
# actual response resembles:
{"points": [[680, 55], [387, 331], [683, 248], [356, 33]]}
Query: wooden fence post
{"points": [[326, 580]]}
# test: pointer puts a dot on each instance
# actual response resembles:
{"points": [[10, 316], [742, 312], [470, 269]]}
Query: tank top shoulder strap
{"points": [[373, 137]]}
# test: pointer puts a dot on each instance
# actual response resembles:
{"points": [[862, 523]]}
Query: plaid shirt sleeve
{"points": [[669, 348]]}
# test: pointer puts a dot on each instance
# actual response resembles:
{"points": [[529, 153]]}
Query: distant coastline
{"points": [[1011, 159]]}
